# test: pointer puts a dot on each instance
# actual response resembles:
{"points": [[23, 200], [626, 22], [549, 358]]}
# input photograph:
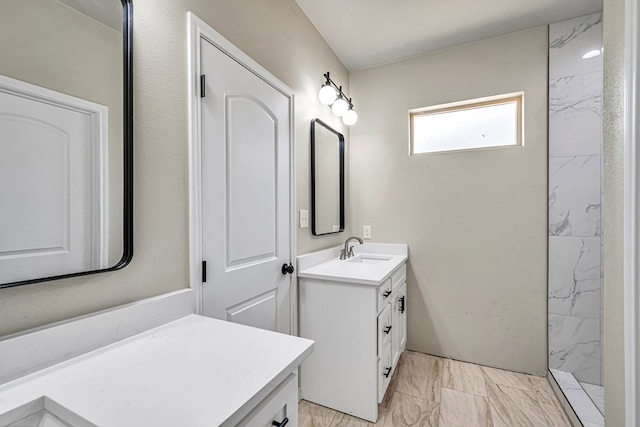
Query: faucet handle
{"points": [[343, 254], [350, 252]]}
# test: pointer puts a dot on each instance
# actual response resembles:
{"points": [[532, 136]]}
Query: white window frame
{"points": [[471, 104]]}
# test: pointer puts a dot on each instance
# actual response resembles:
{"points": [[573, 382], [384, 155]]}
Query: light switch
{"points": [[304, 218], [366, 231]]}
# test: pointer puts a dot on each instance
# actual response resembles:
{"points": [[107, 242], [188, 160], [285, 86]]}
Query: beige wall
{"points": [[277, 35], [475, 221], [613, 137]]}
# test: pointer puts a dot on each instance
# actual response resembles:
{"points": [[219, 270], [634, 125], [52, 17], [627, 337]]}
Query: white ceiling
{"points": [[365, 33]]}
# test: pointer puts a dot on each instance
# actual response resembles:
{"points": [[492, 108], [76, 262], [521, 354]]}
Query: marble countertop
{"points": [[325, 265], [194, 371]]}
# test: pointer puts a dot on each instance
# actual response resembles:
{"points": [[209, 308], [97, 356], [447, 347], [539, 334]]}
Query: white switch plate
{"points": [[366, 231], [304, 218]]}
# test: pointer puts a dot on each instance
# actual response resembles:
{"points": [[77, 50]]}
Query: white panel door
{"points": [[246, 222], [45, 189]]}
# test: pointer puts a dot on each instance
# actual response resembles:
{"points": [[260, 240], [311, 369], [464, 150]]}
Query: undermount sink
{"points": [[369, 259]]}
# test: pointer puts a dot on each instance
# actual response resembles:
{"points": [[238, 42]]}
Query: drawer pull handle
{"points": [[386, 374], [280, 424], [387, 329], [402, 306], [386, 294]]}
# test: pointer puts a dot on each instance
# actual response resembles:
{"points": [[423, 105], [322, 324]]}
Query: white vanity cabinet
{"points": [[189, 371], [359, 331], [279, 408], [399, 314]]}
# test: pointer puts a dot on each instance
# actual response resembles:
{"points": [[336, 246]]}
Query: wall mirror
{"points": [[66, 166], [327, 179]]}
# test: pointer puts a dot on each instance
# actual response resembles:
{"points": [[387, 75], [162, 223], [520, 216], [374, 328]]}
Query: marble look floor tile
{"points": [[574, 196], [574, 346], [405, 410], [551, 408], [569, 40], [575, 115], [514, 406], [462, 376], [463, 409], [510, 399], [506, 378], [420, 375], [345, 420], [575, 276], [312, 415]]}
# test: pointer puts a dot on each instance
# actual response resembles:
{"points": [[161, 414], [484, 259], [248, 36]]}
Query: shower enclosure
{"points": [[575, 213]]}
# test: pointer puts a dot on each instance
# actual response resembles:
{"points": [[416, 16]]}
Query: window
{"points": [[467, 125]]}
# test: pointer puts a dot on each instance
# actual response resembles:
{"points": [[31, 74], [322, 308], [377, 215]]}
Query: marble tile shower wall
{"points": [[575, 198]]}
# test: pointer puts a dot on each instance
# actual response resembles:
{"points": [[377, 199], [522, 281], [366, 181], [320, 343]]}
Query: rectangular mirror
{"points": [[327, 179], [66, 166]]}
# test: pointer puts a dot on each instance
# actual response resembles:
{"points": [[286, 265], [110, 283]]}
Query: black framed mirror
{"points": [[66, 138], [327, 179]]}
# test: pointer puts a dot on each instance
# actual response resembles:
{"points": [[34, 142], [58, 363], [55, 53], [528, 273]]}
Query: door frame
{"points": [[632, 214], [197, 29]]}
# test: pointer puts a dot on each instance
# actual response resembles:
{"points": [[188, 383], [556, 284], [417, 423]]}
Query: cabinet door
{"points": [[399, 321], [280, 407], [385, 333]]}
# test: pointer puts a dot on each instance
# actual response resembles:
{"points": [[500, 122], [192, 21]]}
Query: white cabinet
{"points": [[280, 408], [359, 332], [399, 313]]}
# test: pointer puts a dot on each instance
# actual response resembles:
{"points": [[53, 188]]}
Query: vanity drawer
{"points": [[385, 371], [399, 277], [281, 404], [384, 328], [384, 294]]}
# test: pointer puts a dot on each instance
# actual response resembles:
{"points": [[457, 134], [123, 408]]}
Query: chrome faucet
{"points": [[347, 252]]}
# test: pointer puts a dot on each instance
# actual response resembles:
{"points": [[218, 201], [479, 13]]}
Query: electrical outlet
{"points": [[304, 218], [366, 231]]}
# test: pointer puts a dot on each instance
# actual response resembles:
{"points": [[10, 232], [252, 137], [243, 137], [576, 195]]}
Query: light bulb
{"points": [[340, 107], [327, 95], [350, 117]]}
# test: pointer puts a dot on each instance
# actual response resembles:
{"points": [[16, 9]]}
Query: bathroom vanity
{"points": [[355, 310], [152, 363]]}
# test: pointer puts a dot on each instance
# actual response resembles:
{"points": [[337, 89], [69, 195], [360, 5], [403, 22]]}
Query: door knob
{"points": [[287, 269]]}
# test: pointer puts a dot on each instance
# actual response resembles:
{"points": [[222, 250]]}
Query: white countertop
{"points": [[195, 371], [325, 265]]}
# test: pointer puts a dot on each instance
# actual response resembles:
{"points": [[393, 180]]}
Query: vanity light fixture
{"points": [[327, 94], [331, 94], [340, 106], [350, 117]]}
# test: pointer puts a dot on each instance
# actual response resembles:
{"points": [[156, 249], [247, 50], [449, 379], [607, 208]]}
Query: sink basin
{"points": [[369, 259]]}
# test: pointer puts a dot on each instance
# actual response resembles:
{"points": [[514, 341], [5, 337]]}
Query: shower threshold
{"points": [[581, 402]]}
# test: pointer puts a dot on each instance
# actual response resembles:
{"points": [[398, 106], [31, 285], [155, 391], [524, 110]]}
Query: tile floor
{"points": [[430, 391], [596, 393]]}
